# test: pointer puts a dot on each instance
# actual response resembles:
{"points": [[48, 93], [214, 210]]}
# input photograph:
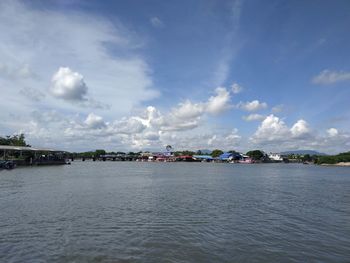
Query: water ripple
{"points": [[142, 212]]}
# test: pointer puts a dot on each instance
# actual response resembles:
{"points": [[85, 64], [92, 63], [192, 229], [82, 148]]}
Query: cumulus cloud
{"points": [[332, 132], [253, 117], [273, 134], [187, 115], [128, 126], [254, 105], [36, 43], [236, 88], [94, 121], [224, 141], [188, 109], [216, 104], [272, 128], [220, 102], [300, 129], [156, 22], [179, 119], [68, 85], [327, 77], [150, 128]]}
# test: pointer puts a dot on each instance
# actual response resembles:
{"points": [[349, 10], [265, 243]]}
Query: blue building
{"points": [[229, 156]]}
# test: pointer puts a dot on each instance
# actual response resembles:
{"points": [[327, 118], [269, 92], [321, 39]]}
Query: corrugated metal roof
{"points": [[23, 148]]}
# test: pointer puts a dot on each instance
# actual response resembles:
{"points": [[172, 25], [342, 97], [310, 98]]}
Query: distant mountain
{"points": [[303, 152]]}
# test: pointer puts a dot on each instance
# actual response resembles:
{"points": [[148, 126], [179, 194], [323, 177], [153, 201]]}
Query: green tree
{"points": [[15, 140], [199, 152], [307, 158], [100, 152], [333, 159], [256, 154], [216, 153]]}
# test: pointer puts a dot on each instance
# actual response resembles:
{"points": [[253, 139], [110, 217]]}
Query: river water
{"points": [[175, 212]]}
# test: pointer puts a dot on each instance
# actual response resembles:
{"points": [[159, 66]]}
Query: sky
{"points": [[140, 75]]}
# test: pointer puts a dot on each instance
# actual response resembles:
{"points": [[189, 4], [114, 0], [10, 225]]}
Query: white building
{"points": [[275, 157]]}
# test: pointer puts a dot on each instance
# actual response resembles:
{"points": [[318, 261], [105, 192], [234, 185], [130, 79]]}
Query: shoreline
{"points": [[342, 164]]}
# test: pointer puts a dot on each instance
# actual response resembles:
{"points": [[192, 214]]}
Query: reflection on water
{"points": [[175, 212]]}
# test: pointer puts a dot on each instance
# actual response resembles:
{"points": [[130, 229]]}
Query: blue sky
{"points": [[127, 75]]}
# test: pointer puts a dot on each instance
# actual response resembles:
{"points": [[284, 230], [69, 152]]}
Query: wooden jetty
{"points": [[21, 155]]}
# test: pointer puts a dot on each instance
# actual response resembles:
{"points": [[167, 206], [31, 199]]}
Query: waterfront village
{"points": [[14, 151], [183, 156]]}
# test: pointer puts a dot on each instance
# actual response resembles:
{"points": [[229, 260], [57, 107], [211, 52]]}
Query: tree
{"points": [[100, 152], [186, 152], [255, 155], [216, 153], [307, 158], [15, 140]]}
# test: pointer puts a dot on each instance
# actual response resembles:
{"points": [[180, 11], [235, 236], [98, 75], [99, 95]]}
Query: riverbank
{"points": [[344, 164]]}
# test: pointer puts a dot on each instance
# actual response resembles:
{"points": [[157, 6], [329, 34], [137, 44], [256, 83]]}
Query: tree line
{"points": [[14, 140], [333, 159]]}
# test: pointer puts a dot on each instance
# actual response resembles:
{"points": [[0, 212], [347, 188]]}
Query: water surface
{"points": [[175, 212]]}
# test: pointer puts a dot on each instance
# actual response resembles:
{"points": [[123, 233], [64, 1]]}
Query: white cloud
{"points": [[253, 117], [188, 109], [36, 42], [188, 115], [300, 129], [156, 22], [327, 77], [94, 121], [68, 85], [150, 128], [225, 141], [254, 105], [236, 88], [274, 135], [128, 126], [220, 102], [215, 105], [332, 132], [272, 128]]}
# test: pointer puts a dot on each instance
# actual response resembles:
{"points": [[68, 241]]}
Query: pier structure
{"points": [[22, 155]]}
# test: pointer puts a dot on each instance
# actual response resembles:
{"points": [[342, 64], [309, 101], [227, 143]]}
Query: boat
{"points": [[8, 165]]}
